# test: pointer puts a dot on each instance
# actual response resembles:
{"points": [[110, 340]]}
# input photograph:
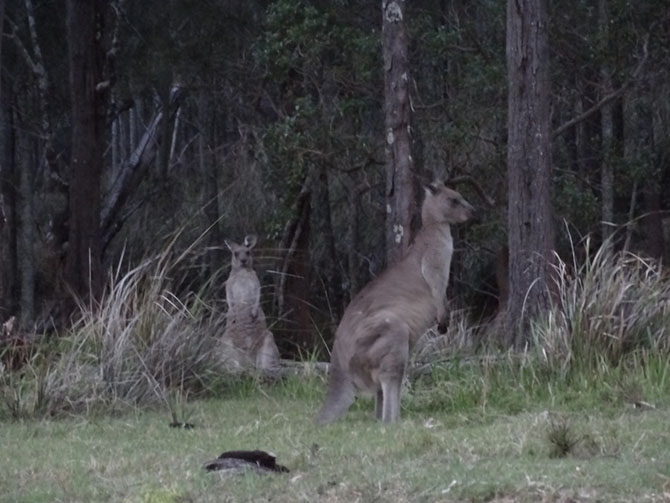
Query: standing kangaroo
{"points": [[386, 318], [246, 327], [243, 290]]}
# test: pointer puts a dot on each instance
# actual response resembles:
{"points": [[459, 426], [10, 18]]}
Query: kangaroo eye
{"points": [[237, 254]]}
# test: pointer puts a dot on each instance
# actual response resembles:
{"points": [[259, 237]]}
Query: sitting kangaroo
{"points": [[246, 328], [386, 318]]}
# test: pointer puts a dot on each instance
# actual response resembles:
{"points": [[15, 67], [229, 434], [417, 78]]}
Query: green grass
{"points": [[466, 434]]}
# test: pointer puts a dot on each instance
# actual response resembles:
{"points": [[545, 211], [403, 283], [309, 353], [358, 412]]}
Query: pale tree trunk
{"points": [[130, 171], [132, 126], [122, 122], [607, 130], [175, 138], [163, 157], [400, 191], [115, 144], [40, 72], [83, 266], [35, 61], [38, 152], [530, 232]]}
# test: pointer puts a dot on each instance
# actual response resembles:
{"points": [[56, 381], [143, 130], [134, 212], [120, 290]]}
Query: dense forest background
{"points": [[215, 119]]}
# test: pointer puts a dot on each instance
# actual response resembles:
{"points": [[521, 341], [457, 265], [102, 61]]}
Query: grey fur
{"points": [[385, 319], [246, 329]]}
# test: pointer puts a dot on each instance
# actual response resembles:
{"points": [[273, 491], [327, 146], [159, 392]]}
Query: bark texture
{"points": [[83, 267], [530, 233], [607, 131], [400, 191]]}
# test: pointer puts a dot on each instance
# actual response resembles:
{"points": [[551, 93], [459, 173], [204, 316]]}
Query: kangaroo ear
{"points": [[434, 187], [250, 241], [230, 244]]}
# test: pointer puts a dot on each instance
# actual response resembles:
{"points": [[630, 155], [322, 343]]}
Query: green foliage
{"points": [[187, 39], [297, 38], [322, 73], [278, 90], [575, 202]]}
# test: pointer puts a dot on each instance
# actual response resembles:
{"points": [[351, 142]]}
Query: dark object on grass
{"points": [[184, 426], [562, 438], [260, 461]]}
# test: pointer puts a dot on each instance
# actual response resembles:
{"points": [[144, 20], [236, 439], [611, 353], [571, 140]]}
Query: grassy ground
{"points": [[465, 435]]}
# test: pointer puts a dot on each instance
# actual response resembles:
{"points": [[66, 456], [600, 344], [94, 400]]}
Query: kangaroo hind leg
{"points": [[392, 354], [379, 404], [391, 404], [340, 396]]}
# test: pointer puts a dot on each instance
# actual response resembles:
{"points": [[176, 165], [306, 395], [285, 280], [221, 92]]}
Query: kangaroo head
{"points": [[445, 206], [242, 257]]}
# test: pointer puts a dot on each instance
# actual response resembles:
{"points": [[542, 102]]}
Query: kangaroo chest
{"points": [[436, 262], [243, 287]]}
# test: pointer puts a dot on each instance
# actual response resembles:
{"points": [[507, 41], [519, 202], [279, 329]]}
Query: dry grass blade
{"points": [[613, 304], [141, 340]]}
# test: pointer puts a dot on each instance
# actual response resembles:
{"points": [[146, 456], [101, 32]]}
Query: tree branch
{"points": [[612, 96], [473, 183]]}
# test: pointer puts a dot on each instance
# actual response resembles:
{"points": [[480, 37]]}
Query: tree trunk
{"points": [[26, 225], [163, 157], [83, 265], [297, 319], [328, 263], [652, 141], [115, 144], [607, 131], [530, 233], [8, 209], [400, 191], [292, 292], [653, 219], [4, 210], [2, 28], [121, 123], [132, 169]]}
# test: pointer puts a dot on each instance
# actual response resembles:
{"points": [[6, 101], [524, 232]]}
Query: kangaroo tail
{"points": [[339, 397]]}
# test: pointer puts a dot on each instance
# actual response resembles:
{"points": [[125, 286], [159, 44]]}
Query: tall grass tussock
{"points": [[613, 305], [138, 344], [551, 423], [150, 341]]}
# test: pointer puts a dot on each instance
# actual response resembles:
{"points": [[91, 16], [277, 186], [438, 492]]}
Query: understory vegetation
{"points": [[578, 416]]}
